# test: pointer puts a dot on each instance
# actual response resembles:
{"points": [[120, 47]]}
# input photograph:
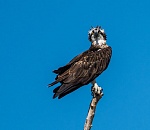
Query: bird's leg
{"points": [[96, 90]]}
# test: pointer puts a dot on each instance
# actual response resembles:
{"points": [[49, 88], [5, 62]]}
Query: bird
{"points": [[85, 67]]}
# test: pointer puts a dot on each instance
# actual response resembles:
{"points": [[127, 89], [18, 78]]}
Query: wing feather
{"points": [[66, 67], [81, 70]]}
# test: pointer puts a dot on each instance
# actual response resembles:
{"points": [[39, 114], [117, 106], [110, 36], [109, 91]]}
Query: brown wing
{"points": [[81, 70], [63, 69], [66, 67]]}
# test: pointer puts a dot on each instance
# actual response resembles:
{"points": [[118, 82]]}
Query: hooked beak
{"points": [[96, 34]]}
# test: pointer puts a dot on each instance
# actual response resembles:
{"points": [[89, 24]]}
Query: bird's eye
{"points": [[92, 32]]}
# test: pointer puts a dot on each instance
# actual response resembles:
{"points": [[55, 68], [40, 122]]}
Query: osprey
{"points": [[84, 68]]}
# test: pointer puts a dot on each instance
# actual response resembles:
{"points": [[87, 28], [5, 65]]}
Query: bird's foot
{"points": [[97, 91]]}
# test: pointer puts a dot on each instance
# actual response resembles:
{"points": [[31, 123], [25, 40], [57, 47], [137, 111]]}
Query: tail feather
{"points": [[56, 89], [63, 90], [55, 95], [53, 83]]}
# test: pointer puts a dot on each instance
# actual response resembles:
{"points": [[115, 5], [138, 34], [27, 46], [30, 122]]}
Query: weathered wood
{"points": [[92, 109]]}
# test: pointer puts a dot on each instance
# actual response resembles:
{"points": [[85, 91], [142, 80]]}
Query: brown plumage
{"points": [[81, 70], [85, 67]]}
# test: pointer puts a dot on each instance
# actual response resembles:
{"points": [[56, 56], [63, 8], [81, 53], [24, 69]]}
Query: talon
{"points": [[96, 90], [101, 90]]}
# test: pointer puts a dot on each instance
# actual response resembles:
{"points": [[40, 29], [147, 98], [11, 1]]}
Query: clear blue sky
{"points": [[38, 36]]}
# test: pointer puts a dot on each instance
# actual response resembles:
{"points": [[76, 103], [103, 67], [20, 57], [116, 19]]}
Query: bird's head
{"points": [[97, 35]]}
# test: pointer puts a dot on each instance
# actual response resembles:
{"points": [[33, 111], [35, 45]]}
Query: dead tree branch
{"points": [[92, 109]]}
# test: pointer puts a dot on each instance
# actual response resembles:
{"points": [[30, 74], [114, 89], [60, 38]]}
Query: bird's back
{"points": [[81, 70]]}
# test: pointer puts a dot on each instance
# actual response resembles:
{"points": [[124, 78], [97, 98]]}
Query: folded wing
{"points": [[80, 71]]}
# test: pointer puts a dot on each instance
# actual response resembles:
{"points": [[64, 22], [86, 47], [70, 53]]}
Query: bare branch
{"points": [[92, 109]]}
